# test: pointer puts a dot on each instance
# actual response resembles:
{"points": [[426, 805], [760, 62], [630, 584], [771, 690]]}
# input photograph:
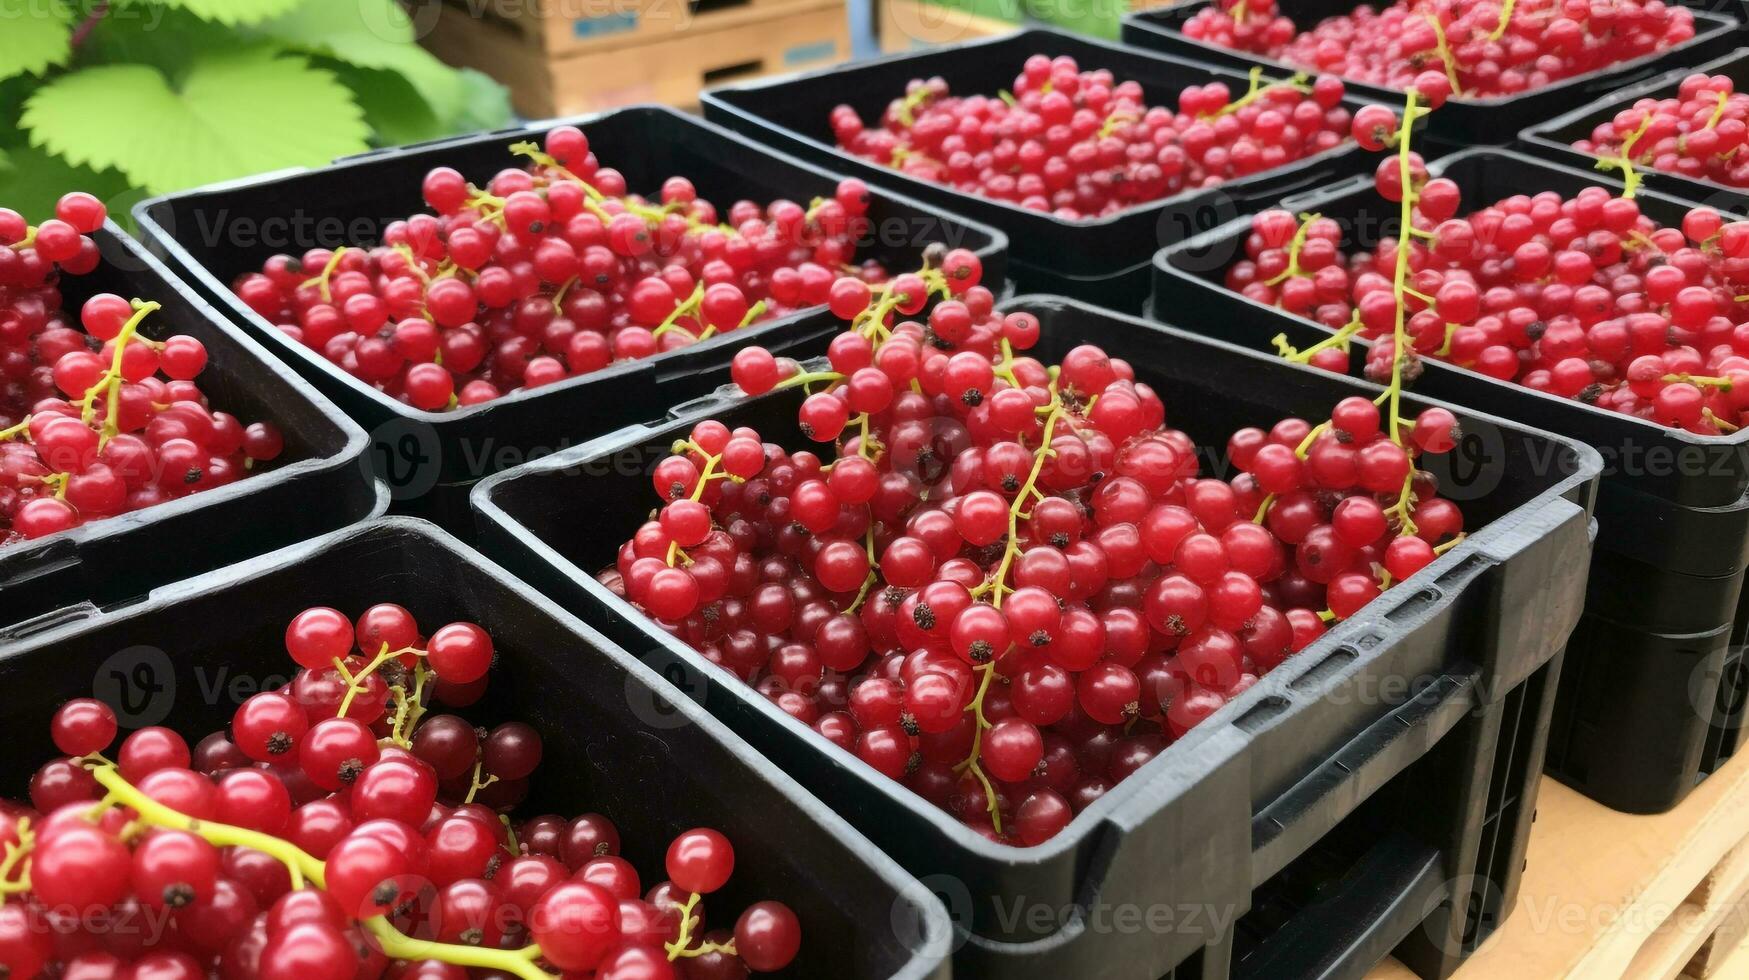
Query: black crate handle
{"points": [[1349, 928], [1375, 754]]}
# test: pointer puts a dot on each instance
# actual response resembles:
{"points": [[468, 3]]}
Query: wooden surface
{"points": [[1609, 894]]}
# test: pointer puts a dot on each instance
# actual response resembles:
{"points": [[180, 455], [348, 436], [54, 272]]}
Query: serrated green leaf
{"points": [[31, 181], [233, 12], [33, 36], [369, 34], [380, 34], [395, 112], [152, 34], [235, 113]]}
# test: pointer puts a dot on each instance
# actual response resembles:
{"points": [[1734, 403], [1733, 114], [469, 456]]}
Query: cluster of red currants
{"points": [[88, 427], [1477, 48], [1012, 588], [1699, 133], [1081, 144], [337, 833], [1582, 297], [552, 271]]}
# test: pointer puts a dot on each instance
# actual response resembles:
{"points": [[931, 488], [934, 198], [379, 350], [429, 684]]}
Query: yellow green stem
{"points": [[1630, 177]]}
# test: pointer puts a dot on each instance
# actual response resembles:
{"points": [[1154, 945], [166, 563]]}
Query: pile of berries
{"points": [[1012, 588], [1081, 144], [1699, 133], [1582, 297], [1476, 48], [337, 831], [552, 271], [95, 419]]}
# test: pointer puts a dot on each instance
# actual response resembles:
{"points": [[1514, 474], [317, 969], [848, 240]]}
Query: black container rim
{"points": [[1202, 746], [1540, 134], [938, 926], [355, 443], [1163, 264], [142, 214], [1716, 25], [713, 98]]}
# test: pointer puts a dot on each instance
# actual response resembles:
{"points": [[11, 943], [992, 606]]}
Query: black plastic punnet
{"points": [[1461, 121], [617, 739], [1673, 518], [1331, 811], [1101, 259], [320, 483], [431, 459], [1553, 140]]}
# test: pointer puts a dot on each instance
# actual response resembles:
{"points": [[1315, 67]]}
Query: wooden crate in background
{"points": [[570, 26], [666, 61]]}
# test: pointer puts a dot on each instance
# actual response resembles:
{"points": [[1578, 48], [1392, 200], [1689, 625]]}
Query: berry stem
{"points": [[300, 865], [1293, 251], [14, 873], [109, 385], [995, 586], [1338, 339], [682, 944], [1446, 58], [1630, 177], [1505, 21], [475, 783], [1718, 110], [688, 307], [1260, 87], [322, 279], [409, 708], [354, 687]]}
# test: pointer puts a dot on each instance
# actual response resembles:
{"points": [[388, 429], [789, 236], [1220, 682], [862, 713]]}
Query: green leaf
{"points": [[31, 181], [485, 104], [366, 33], [235, 113], [379, 34], [33, 36], [233, 12], [391, 107], [152, 34]]}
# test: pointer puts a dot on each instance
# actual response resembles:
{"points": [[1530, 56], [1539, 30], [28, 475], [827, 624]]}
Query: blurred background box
{"points": [[578, 56]]}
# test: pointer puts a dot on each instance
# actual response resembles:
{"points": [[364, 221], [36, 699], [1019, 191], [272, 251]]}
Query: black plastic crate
{"points": [[618, 739], [1215, 821], [431, 459], [1101, 260], [1642, 716], [1553, 140], [1670, 501], [321, 482], [1660, 600], [1462, 121]]}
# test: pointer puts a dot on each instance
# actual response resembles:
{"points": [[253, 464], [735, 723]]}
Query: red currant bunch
{"points": [[1698, 133], [552, 271], [97, 420], [1012, 587], [1082, 144], [1479, 48], [1582, 297], [338, 832]]}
